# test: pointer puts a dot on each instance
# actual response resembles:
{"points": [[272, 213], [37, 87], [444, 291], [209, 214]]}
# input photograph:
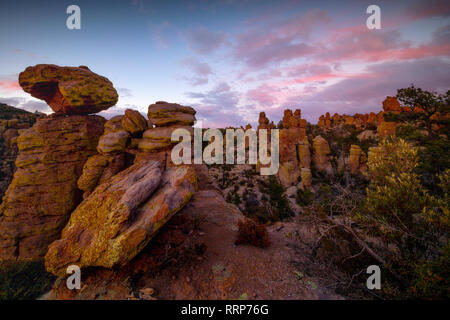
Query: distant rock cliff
{"points": [[12, 120]]}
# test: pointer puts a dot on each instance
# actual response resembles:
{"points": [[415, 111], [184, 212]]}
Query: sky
{"points": [[232, 59]]}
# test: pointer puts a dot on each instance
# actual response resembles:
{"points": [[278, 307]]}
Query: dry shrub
{"points": [[252, 233]]}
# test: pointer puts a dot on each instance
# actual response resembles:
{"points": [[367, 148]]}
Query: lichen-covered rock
{"points": [[12, 120], [133, 122], [69, 90], [92, 171], [160, 138], [113, 142], [163, 113], [121, 216], [321, 157], [44, 189], [114, 124]]}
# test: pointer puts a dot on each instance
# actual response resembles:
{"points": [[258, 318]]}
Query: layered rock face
{"points": [[44, 189], [12, 121], [69, 90], [120, 217], [52, 154], [294, 148], [157, 141], [293, 145]]}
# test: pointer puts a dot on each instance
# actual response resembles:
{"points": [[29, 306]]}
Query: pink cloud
{"points": [[280, 40], [10, 85]]}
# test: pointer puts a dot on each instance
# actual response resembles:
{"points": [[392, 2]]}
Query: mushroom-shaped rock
{"points": [[69, 90], [117, 220]]}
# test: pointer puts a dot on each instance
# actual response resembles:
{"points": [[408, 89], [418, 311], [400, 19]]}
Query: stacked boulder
{"points": [[294, 148], [118, 141], [51, 157], [157, 141]]}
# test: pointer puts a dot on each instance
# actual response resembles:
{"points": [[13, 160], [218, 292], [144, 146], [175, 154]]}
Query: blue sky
{"points": [[232, 59]]}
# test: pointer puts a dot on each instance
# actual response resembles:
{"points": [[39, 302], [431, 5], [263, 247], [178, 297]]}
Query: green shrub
{"points": [[277, 198]]}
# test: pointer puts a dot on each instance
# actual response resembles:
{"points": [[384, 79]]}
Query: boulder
{"points": [[367, 134], [113, 142], [92, 171], [160, 138], [163, 113], [44, 189], [69, 90], [117, 220], [391, 104], [114, 124], [133, 122]]}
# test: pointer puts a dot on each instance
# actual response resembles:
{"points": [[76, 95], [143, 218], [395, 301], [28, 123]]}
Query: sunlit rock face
{"points": [[44, 189], [116, 221]]}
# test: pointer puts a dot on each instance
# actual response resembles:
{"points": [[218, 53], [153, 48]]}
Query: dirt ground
{"points": [[195, 257]]}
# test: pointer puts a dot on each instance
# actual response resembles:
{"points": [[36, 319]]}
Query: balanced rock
{"points": [[69, 90], [44, 190], [117, 220], [163, 113]]}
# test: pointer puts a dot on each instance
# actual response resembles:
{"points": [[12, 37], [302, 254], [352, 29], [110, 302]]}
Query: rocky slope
{"points": [[187, 261]]}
